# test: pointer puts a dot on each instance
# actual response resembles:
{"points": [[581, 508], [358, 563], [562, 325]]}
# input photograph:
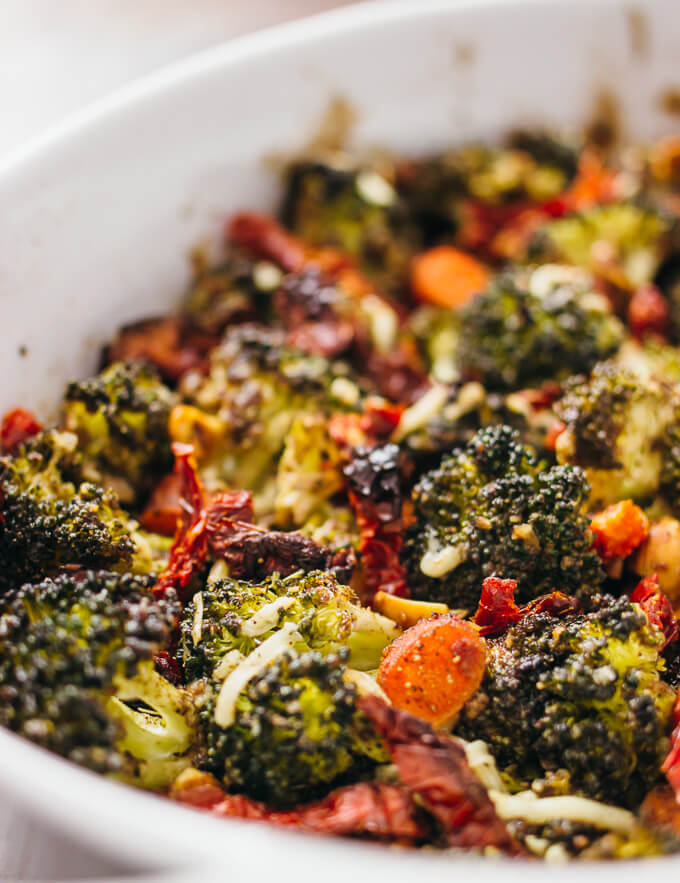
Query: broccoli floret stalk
{"points": [[492, 508], [581, 692], [77, 675], [231, 618], [356, 210], [291, 731], [47, 521], [523, 332], [623, 242], [620, 428], [121, 420]]}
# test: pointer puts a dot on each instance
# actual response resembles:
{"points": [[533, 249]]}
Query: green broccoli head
{"points": [[295, 731], [625, 242], [231, 618], [356, 210], [121, 420], [580, 692], [521, 333], [619, 427], [47, 521], [77, 675], [492, 508]]}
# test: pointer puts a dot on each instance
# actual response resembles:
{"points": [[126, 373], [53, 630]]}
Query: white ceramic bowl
{"points": [[96, 220]]}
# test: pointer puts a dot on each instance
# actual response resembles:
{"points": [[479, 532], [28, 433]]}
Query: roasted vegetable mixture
{"points": [[379, 535]]}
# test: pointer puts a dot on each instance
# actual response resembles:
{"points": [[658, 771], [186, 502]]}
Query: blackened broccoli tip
{"points": [[621, 428], [581, 692], [77, 675], [48, 520], [526, 331], [492, 508], [120, 417], [233, 616], [296, 732]]}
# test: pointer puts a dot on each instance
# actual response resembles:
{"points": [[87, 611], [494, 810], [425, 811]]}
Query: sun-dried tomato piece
{"points": [[497, 609], [169, 667], [657, 607], [555, 603], [433, 767], [170, 343], [17, 426], [671, 765], [648, 312], [163, 509], [190, 548], [266, 238]]}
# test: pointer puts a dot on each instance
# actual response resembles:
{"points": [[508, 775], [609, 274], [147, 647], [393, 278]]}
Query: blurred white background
{"points": [[55, 57]]}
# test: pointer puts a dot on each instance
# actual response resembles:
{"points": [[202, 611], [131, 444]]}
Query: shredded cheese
{"points": [[440, 560], [227, 664], [267, 617], [422, 411], [539, 811], [483, 765], [197, 625], [259, 659], [364, 683]]}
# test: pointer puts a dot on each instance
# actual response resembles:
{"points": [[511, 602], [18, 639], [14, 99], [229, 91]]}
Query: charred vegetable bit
{"points": [[493, 508], [378, 535]]}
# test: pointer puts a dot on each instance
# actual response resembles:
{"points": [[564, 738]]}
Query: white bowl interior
{"points": [[96, 221]]}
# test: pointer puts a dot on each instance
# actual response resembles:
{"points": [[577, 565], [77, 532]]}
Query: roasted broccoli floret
{"points": [[77, 675], [47, 520], [625, 242], [620, 426], [355, 209], [580, 692], [530, 168], [521, 333], [292, 731], [121, 419], [234, 617], [238, 288], [255, 389], [491, 508]]}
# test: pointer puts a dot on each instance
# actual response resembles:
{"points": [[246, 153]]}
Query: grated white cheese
{"points": [[219, 570], [197, 625], [483, 765], [227, 664], [266, 617], [440, 560], [375, 189], [421, 412], [539, 811], [269, 650]]}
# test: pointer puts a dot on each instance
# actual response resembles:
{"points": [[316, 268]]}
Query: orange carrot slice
{"points": [[433, 668], [447, 277]]}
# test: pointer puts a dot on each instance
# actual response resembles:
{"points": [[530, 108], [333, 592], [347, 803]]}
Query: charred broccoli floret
{"points": [[293, 731], [47, 521], [580, 692], [231, 618], [121, 420], [77, 675], [491, 508], [619, 428], [354, 209], [515, 334], [624, 241]]}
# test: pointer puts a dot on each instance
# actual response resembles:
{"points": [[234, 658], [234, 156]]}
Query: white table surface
{"points": [[58, 55]]}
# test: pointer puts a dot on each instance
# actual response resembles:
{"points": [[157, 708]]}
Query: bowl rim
{"points": [[59, 791]]}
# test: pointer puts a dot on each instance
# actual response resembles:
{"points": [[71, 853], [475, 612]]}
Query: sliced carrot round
{"points": [[447, 277], [433, 668]]}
